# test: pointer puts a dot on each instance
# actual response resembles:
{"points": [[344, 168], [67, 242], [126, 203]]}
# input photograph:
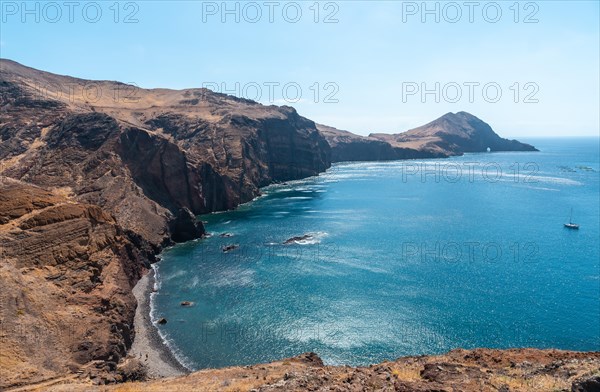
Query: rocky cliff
{"points": [[451, 134], [97, 177], [348, 147], [149, 156], [66, 272]]}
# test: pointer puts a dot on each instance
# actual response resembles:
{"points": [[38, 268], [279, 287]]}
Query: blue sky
{"points": [[366, 64]]}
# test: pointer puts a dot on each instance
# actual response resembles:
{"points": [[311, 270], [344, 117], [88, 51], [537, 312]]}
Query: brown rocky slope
{"points": [[347, 147], [453, 134], [149, 156], [66, 272]]}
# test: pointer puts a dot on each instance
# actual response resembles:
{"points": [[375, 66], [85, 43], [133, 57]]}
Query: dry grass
{"points": [[407, 373], [66, 192], [129, 387], [533, 384], [242, 385]]}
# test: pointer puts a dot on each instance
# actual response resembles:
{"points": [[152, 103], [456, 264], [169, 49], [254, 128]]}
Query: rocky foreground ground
{"points": [[459, 370]]}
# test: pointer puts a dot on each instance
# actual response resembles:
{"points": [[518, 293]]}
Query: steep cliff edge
{"points": [[97, 176], [149, 156], [451, 134]]}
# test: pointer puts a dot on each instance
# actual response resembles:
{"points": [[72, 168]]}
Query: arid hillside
{"points": [[66, 272]]}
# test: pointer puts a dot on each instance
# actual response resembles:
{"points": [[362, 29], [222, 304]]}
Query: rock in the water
{"points": [[185, 226], [186, 303], [229, 248], [293, 240], [162, 321]]}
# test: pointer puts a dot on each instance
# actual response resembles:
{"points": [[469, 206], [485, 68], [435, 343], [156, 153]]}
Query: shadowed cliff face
{"points": [[92, 189], [347, 147], [232, 158]]}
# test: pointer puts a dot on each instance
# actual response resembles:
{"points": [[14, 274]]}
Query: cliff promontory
{"points": [[450, 135]]}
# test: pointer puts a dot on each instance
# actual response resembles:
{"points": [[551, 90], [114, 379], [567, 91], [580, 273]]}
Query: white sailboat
{"points": [[571, 225]]}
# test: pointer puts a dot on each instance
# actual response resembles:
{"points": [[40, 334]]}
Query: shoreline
{"points": [[148, 346]]}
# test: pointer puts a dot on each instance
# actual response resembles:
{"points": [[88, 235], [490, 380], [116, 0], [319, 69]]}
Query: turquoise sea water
{"points": [[403, 258]]}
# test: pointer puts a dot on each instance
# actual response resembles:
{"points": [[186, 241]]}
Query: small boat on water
{"points": [[571, 225]]}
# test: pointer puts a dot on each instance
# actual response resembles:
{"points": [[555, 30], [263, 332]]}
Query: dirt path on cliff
{"points": [[43, 385]]}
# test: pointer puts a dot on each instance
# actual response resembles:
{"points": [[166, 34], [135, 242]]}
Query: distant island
{"points": [[98, 177]]}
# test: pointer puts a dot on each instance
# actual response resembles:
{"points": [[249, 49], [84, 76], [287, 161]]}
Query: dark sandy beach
{"points": [[148, 346]]}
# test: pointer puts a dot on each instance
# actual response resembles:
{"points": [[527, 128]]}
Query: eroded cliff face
{"points": [[92, 189], [236, 155], [66, 272], [154, 155]]}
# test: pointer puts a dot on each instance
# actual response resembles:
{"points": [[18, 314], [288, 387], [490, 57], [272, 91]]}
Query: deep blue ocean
{"points": [[401, 258]]}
